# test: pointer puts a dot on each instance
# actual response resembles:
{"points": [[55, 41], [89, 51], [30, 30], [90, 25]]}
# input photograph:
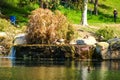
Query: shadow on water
{"points": [[93, 65], [11, 62], [47, 63]]}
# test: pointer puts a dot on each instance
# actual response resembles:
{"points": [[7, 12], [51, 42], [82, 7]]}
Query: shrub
{"points": [[9, 30], [45, 27], [106, 32]]}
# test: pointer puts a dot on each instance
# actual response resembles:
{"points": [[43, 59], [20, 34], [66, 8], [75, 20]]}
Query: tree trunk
{"points": [[41, 3], [91, 1], [95, 7], [84, 13]]}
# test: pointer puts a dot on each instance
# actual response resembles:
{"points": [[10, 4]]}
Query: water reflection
{"points": [[6, 62], [58, 70]]}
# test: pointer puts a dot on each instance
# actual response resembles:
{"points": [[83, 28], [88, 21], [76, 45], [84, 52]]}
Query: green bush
{"points": [[9, 30], [106, 32]]}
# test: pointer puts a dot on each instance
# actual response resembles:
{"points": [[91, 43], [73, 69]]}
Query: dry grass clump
{"points": [[45, 27]]}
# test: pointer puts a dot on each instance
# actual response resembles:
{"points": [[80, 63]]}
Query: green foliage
{"points": [[9, 32], [71, 34], [4, 24], [45, 27], [72, 15], [6, 3], [105, 12], [53, 4], [68, 7], [50, 4], [73, 4], [13, 7], [106, 32]]}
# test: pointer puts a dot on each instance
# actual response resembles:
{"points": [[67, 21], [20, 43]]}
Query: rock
{"points": [[101, 49], [114, 48], [2, 50], [3, 35], [90, 40], [103, 45], [80, 42], [59, 41], [73, 41], [114, 43], [20, 39]]}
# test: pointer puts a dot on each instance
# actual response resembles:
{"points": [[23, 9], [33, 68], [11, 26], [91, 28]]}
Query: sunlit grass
{"points": [[105, 14], [73, 16]]}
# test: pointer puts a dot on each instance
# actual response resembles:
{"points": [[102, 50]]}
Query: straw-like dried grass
{"points": [[45, 27]]}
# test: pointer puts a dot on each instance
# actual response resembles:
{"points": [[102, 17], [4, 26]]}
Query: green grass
{"points": [[105, 14], [72, 15], [21, 13]]}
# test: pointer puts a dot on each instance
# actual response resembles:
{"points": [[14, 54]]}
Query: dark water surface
{"points": [[58, 70]]}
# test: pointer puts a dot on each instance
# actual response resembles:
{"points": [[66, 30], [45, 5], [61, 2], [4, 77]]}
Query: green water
{"points": [[58, 70]]}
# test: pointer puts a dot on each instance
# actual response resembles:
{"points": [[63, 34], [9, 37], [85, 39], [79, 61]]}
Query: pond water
{"points": [[58, 70]]}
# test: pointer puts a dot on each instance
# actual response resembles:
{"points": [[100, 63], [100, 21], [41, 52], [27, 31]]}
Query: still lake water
{"points": [[58, 70]]}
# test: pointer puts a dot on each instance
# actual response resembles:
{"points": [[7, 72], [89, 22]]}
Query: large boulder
{"points": [[20, 39], [109, 49], [89, 40], [114, 43], [101, 51], [114, 48]]}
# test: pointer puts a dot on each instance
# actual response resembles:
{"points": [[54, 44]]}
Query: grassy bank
{"points": [[105, 12], [103, 19]]}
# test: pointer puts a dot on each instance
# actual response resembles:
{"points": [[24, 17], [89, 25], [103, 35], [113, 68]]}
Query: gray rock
{"points": [[20, 39]]}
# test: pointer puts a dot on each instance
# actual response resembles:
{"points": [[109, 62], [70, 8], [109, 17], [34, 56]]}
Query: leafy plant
{"points": [[106, 32], [9, 32]]}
